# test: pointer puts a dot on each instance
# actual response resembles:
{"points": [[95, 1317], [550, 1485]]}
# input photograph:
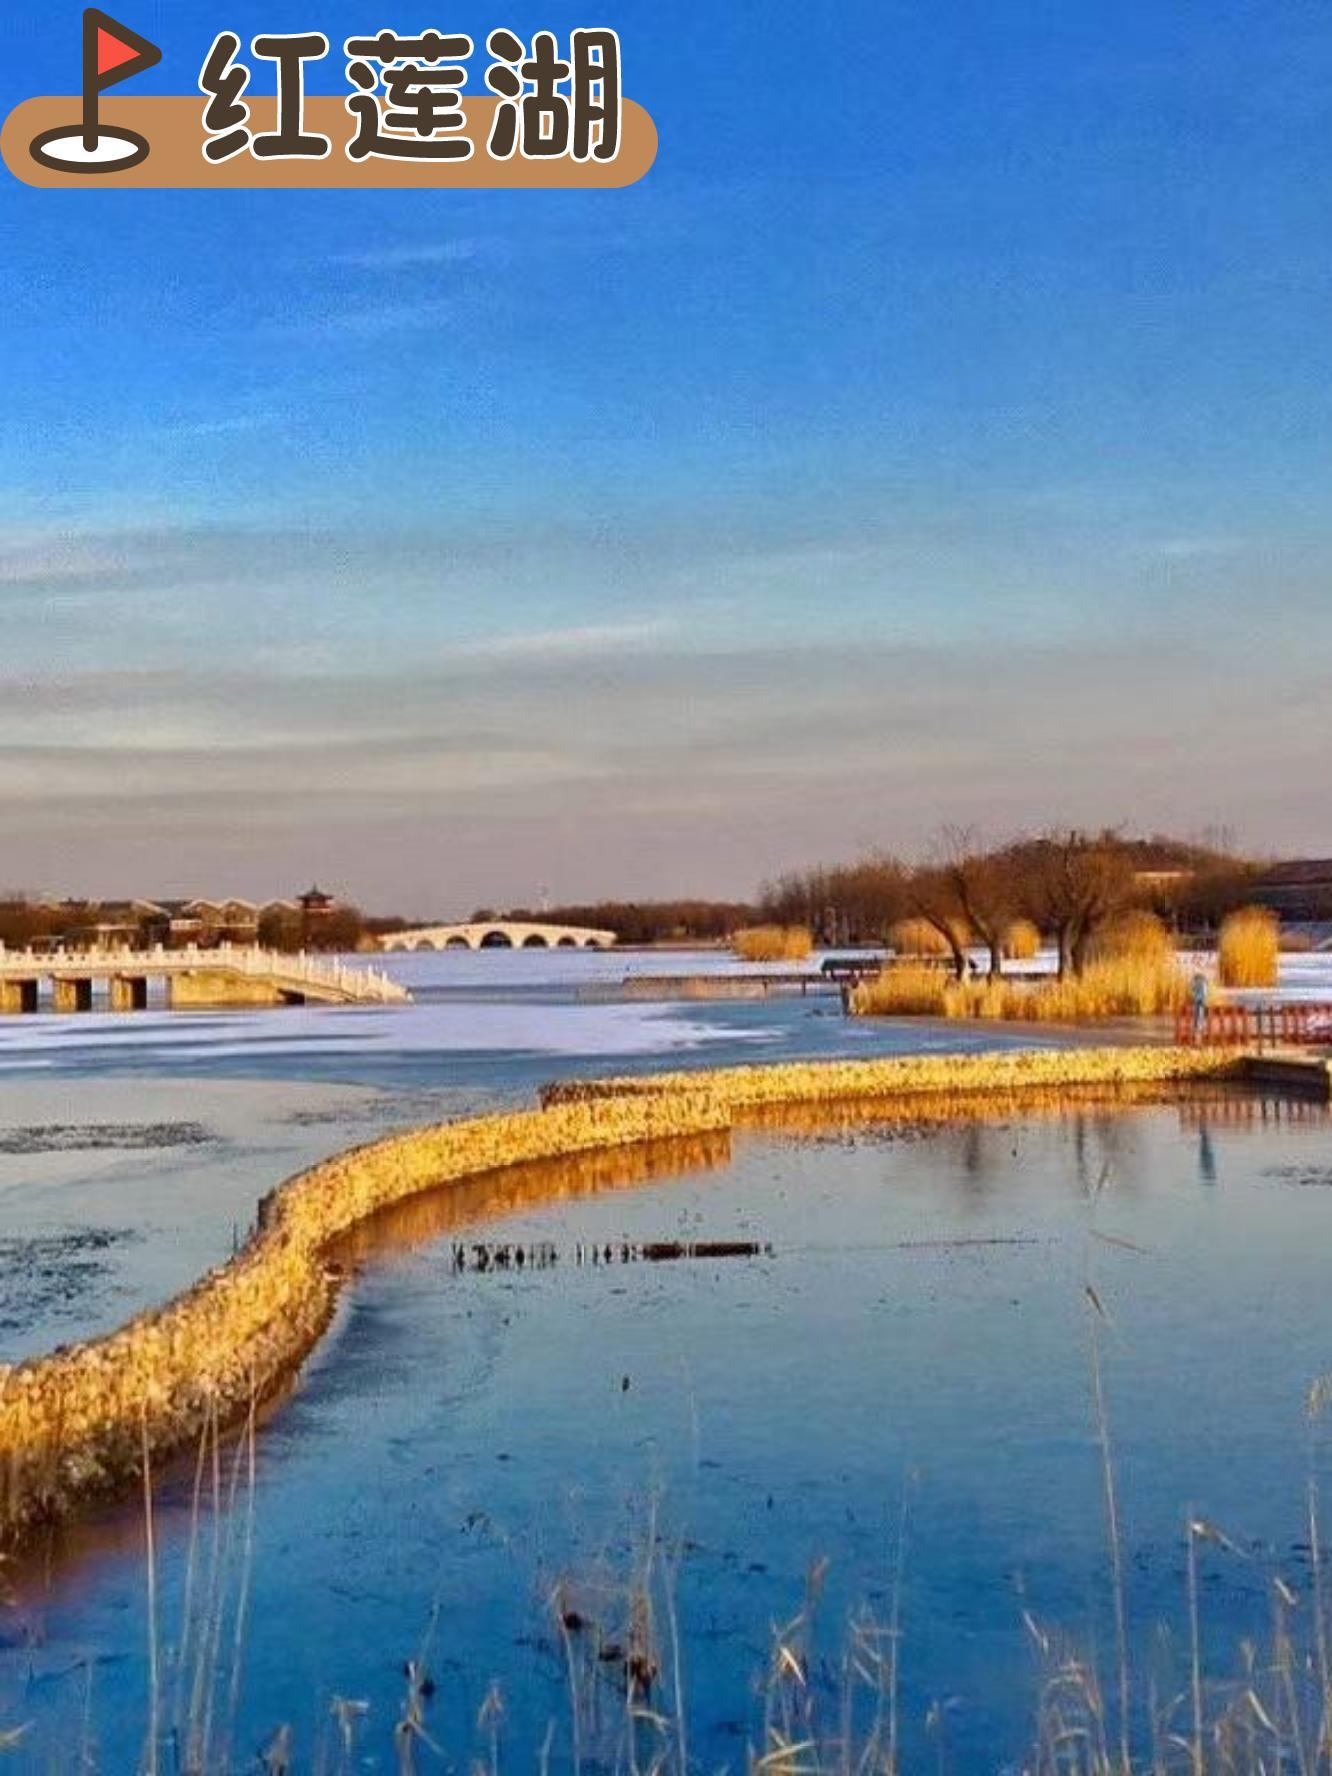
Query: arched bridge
{"points": [[499, 934]]}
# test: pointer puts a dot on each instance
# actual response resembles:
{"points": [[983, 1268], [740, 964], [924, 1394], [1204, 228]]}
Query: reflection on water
{"points": [[496, 1196], [472, 1444]]}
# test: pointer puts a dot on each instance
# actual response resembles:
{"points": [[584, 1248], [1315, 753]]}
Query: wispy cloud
{"points": [[385, 319], [406, 255], [583, 641], [1197, 548], [221, 425]]}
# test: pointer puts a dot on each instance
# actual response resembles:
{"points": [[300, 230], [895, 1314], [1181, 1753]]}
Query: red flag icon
{"points": [[112, 52]]}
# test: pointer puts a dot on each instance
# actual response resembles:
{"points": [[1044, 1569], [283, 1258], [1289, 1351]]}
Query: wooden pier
{"points": [[1289, 1042], [187, 979], [1292, 1023], [1293, 1069]]}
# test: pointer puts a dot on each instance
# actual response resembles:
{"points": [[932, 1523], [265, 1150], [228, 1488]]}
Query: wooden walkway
{"points": [[1289, 1043], [1285, 1024], [752, 984]]}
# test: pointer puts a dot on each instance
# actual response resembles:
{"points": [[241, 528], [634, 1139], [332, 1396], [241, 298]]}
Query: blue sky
{"points": [[940, 432]]}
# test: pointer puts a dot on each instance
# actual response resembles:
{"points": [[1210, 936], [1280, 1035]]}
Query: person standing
{"points": [[1199, 991]]}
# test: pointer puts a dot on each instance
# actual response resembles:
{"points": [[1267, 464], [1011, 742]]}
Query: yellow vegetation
{"points": [[76, 1424], [1133, 936], [773, 943], [72, 1425], [1022, 941], [917, 937], [1109, 989], [1248, 952], [901, 1077]]}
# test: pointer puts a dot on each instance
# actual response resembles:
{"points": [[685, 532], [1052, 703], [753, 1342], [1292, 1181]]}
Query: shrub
{"points": [[904, 991], [1248, 950], [1110, 989], [917, 937], [773, 943], [1022, 941], [1132, 936]]}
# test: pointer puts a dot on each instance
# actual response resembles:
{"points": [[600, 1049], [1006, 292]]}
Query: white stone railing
{"points": [[363, 986]]}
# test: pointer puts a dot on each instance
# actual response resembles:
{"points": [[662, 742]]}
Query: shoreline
{"points": [[77, 1425]]}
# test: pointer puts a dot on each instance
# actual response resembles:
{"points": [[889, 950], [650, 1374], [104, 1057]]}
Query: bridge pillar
{"points": [[18, 996], [202, 988], [129, 992], [73, 993]]}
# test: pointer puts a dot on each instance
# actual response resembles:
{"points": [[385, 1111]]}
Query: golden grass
{"points": [[1022, 941], [899, 1079], [917, 937], [1249, 949], [1133, 936], [773, 943], [1126, 987], [77, 1423]]}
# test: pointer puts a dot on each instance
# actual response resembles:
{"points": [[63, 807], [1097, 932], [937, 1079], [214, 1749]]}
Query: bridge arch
{"points": [[500, 934]]}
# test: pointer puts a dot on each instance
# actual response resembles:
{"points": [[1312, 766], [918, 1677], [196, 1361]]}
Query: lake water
{"points": [[481, 1455], [133, 1148]]}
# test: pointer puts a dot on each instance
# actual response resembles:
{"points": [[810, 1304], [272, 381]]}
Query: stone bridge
{"points": [[119, 980], [499, 934]]}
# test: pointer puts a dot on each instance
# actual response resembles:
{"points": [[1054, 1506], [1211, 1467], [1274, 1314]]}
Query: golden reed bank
{"points": [[78, 1424]]}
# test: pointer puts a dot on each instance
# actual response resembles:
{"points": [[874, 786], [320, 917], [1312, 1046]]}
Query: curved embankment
{"points": [[74, 1425], [832, 1082]]}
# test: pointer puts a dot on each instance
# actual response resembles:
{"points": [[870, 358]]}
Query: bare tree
{"points": [[1072, 883], [982, 887], [931, 895]]}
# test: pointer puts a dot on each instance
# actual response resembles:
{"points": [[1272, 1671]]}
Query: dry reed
{"points": [[1133, 936], [82, 1422], [1127, 987], [773, 943], [917, 937], [900, 1079], [1022, 941], [1248, 952]]}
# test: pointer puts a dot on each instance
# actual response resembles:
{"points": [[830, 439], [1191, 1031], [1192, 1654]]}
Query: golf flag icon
{"points": [[112, 52]]}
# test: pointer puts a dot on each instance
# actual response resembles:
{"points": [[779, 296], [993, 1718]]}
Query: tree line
{"points": [[1069, 883], [643, 921]]}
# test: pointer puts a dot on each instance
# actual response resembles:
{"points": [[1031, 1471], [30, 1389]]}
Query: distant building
{"points": [[1159, 881], [1298, 890], [174, 924], [317, 910]]}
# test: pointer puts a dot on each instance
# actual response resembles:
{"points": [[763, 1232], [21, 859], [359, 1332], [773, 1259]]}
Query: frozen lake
{"points": [[133, 1148], [479, 1455], [913, 1324]]}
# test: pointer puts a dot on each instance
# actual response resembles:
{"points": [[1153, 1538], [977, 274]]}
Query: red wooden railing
{"points": [[1301, 1024]]}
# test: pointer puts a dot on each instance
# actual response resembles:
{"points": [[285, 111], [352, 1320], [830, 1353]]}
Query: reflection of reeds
{"points": [[946, 1109], [816, 1716], [497, 1195], [71, 1425]]}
